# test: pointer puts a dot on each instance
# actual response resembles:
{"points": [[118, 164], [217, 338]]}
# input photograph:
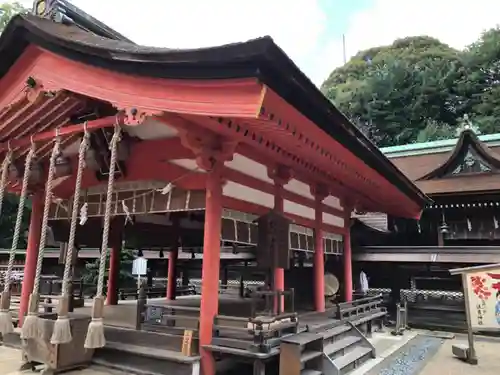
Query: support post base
{"points": [[462, 352]]}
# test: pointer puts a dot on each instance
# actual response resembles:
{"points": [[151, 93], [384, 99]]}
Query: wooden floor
{"points": [[124, 314]]}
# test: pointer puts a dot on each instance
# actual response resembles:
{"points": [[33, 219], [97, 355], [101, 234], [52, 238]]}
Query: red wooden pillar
{"points": [[116, 240], [281, 176], [211, 264], [37, 203], [171, 277], [279, 273], [320, 192], [114, 273], [348, 282]]}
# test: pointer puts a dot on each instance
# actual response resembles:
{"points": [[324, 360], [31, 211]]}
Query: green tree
{"points": [[125, 277], [482, 83], [7, 11], [7, 221], [10, 204], [417, 88]]}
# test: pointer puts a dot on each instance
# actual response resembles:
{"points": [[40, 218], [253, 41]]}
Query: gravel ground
{"points": [[410, 358]]}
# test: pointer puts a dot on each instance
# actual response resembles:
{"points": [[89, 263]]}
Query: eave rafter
{"points": [[194, 125], [251, 141], [326, 155], [32, 112]]}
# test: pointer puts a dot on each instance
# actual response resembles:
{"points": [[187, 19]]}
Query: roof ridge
{"points": [[422, 147]]}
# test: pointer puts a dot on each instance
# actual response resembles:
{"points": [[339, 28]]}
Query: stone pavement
{"points": [[10, 362], [444, 363]]}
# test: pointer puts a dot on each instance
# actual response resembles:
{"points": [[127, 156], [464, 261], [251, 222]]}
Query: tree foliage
{"points": [[91, 273], [419, 89], [7, 11], [10, 203]]}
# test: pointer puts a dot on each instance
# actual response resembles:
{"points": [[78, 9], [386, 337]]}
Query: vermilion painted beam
{"points": [[257, 151], [63, 131], [256, 209], [158, 171], [254, 183], [188, 123]]}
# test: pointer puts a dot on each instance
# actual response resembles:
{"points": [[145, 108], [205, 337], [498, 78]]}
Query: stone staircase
{"points": [[334, 351]]}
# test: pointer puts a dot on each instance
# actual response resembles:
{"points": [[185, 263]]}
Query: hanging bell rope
{"points": [[95, 334], [62, 327], [32, 326], [3, 179], [5, 315]]}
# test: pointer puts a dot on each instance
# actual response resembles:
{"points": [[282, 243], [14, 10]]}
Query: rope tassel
{"points": [[62, 326], [95, 334], [5, 314], [32, 326]]}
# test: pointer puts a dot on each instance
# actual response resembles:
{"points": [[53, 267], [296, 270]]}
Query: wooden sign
{"points": [[187, 339], [481, 287], [484, 299], [273, 241]]}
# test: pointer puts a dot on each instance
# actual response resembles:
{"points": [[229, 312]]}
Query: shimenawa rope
{"points": [[95, 334], [32, 325], [5, 315], [62, 327]]}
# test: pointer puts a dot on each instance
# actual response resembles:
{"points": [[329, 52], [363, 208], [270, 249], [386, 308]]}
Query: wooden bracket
{"points": [[280, 174], [136, 116], [320, 191]]}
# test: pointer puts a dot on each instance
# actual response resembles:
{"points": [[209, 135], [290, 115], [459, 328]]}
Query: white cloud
{"points": [[457, 23]]}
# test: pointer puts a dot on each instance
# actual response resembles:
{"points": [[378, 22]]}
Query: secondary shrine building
{"points": [[212, 139], [459, 229]]}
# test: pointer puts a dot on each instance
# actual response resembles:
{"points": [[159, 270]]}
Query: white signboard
{"points": [[484, 299], [139, 266]]}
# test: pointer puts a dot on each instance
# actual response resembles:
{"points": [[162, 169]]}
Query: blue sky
{"points": [[309, 31]]}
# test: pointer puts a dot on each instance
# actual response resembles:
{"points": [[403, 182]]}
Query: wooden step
{"points": [[145, 360], [336, 331], [151, 352], [351, 357], [301, 338], [310, 372], [308, 355], [341, 344]]}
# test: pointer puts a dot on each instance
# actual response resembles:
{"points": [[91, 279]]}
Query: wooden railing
{"points": [[50, 293], [362, 312], [156, 291], [257, 334], [346, 310]]}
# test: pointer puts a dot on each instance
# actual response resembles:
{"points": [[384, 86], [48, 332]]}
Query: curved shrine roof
{"points": [[259, 58], [438, 169]]}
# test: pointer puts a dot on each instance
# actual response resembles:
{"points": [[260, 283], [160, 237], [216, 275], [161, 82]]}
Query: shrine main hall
{"points": [[175, 141]]}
